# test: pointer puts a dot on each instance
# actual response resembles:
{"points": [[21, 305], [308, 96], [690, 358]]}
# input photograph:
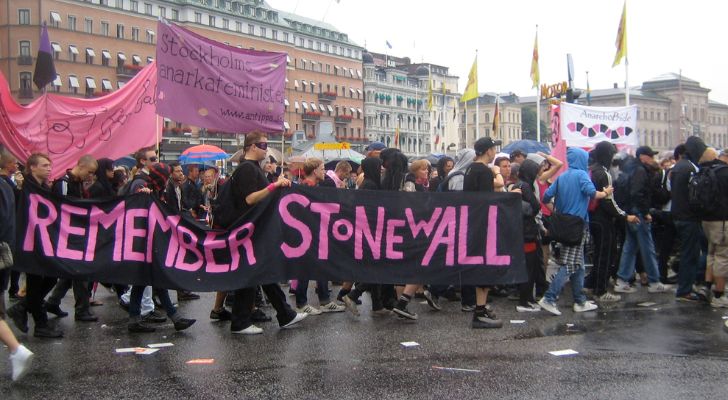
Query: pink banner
{"points": [[208, 84], [558, 144], [67, 128]]}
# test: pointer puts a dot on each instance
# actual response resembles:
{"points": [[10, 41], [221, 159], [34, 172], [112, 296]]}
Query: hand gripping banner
{"points": [[303, 233]]}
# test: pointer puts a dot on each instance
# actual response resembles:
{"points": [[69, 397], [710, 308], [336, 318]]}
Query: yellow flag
{"points": [[429, 91], [621, 42], [471, 89], [396, 138], [535, 78]]}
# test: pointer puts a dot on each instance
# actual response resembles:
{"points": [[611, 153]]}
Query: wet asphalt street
{"points": [[668, 350]]}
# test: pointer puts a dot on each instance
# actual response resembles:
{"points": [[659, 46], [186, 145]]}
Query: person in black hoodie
{"points": [[687, 223], [103, 187], [444, 166], [602, 224]]}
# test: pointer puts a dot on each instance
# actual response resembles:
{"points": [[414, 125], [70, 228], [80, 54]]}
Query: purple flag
{"points": [[45, 70], [208, 84]]}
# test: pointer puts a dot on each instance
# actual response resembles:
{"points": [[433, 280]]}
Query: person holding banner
{"points": [[249, 186]]}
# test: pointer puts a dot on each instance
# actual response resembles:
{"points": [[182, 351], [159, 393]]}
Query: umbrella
{"points": [[127, 161], [330, 165], [201, 154], [526, 146]]}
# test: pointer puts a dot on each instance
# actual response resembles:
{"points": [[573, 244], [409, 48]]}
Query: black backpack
{"points": [[222, 207], [660, 193], [705, 194], [444, 186], [621, 191]]}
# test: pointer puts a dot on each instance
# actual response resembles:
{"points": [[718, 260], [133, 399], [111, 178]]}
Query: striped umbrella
{"points": [[201, 154]]}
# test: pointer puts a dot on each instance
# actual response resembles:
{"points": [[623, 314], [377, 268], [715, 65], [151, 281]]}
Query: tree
{"points": [[528, 125]]}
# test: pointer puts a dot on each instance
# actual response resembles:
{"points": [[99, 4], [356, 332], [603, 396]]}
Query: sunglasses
{"points": [[261, 145], [152, 159]]}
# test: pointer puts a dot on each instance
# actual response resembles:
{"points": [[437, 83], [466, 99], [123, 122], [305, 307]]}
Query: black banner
{"points": [[297, 233]]}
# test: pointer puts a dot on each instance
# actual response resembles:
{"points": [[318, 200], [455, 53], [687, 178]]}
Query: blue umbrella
{"points": [[526, 146]]}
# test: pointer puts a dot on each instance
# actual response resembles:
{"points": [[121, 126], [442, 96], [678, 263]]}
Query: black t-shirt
{"points": [[479, 178], [248, 178]]}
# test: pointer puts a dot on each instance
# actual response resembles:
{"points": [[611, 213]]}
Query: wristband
{"points": [[271, 187]]}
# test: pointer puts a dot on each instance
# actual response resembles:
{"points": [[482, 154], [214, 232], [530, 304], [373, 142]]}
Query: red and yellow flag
{"points": [[621, 42], [396, 138]]}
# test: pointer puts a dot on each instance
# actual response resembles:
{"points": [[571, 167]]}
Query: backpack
{"points": [[621, 191], [126, 189], [222, 208], [444, 186], [705, 194], [660, 193]]}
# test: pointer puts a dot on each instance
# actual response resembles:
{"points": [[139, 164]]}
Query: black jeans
{"points": [[14, 282], [605, 247], [81, 294], [37, 288], [245, 300], [533, 266], [663, 230]]}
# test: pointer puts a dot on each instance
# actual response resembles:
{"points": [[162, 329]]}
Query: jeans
{"points": [[638, 236], [245, 300], [690, 233], [37, 287], [147, 301], [80, 293], [322, 289], [135, 301], [559, 280]]}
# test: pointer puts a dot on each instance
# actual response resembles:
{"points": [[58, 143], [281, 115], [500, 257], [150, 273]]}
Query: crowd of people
{"points": [[640, 224]]}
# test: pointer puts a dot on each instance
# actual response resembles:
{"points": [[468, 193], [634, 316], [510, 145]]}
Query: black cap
{"points": [[646, 150], [483, 144], [516, 153]]}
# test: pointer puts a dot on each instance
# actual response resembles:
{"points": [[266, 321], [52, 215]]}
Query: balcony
{"points": [[343, 119], [127, 71], [25, 60], [327, 97], [25, 93], [311, 116]]}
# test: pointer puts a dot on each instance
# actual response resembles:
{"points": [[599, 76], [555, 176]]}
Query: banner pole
{"points": [[538, 115], [158, 133]]}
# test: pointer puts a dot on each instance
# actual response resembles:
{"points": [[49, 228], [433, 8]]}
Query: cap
{"points": [[483, 144], [517, 153], [646, 150], [374, 146]]}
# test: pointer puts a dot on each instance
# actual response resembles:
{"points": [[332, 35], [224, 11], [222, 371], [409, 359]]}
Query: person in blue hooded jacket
{"points": [[572, 191]]}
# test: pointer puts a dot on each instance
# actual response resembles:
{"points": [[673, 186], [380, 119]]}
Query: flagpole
{"points": [[626, 80], [538, 98], [477, 101]]}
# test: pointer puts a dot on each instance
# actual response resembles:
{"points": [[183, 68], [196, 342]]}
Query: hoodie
{"points": [[607, 209], [573, 188], [372, 168], [463, 159], [435, 182], [527, 173], [680, 180]]}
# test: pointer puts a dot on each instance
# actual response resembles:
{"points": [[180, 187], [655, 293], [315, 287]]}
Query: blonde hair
{"points": [[709, 154], [418, 165], [311, 164]]}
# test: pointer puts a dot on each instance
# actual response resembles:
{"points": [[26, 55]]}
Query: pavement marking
{"points": [[561, 353]]}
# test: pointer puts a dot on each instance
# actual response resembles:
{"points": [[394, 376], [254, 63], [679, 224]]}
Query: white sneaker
{"points": [[587, 306], [609, 298], [529, 308], [310, 310], [550, 307], [21, 361], [623, 287], [332, 307], [251, 330], [299, 317], [720, 302], [658, 287]]}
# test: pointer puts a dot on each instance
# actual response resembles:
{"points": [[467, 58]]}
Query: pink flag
{"points": [[208, 84], [66, 128], [558, 144]]}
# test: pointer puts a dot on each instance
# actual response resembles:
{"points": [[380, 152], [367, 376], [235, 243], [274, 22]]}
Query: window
{"points": [[285, 36], [301, 42], [119, 31], [104, 28], [90, 56], [56, 84], [198, 18], [318, 46], [89, 25], [150, 36], [147, 9], [211, 20], [162, 11], [55, 19], [119, 3], [24, 17], [90, 86], [71, 23], [72, 53], [274, 34], [310, 44], [105, 57], [56, 51], [326, 47], [136, 60], [225, 23], [135, 34], [25, 48], [134, 5], [251, 29], [263, 32], [26, 85], [238, 26], [175, 15]]}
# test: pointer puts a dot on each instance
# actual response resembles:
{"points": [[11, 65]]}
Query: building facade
{"points": [[477, 122], [396, 106], [99, 45]]}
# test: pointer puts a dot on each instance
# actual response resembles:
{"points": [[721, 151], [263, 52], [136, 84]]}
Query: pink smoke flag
{"points": [[208, 84], [45, 70]]}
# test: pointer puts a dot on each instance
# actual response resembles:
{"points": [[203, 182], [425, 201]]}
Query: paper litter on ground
{"points": [[646, 304], [454, 369], [201, 361], [560, 353], [410, 344], [518, 321], [147, 351], [159, 345]]}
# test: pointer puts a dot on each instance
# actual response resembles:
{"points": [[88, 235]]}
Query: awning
{"points": [[73, 82], [120, 85], [285, 125], [57, 81], [351, 71], [285, 101], [359, 91], [330, 109], [56, 47], [352, 110], [288, 59], [150, 59], [295, 105], [106, 54], [150, 32], [286, 80], [106, 84], [295, 83], [359, 109], [305, 105], [121, 56], [136, 59], [73, 49], [90, 52], [90, 83], [55, 17], [322, 107], [313, 106], [303, 83], [358, 73], [312, 83], [303, 60], [351, 90]]}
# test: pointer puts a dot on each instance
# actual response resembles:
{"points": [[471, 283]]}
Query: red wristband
{"points": [[271, 187]]}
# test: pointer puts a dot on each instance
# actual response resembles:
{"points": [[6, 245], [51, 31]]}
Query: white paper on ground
{"points": [[159, 345], [518, 321], [646, 304], [567, 352], [130, 350], [410, 344], [454, 369], [147, 351]]}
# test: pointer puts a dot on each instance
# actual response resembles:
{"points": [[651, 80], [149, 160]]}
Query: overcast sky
{"points": [[663, 36]]}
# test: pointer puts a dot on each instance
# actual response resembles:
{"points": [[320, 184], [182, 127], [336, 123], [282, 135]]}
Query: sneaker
{"points": [[689, 298], [381, 312], [609, 298], [720, 302], [19, 315], [486, 321], [47, 331], [403, 312], [658, 287], [310, 310], [251, 330], [332, 307], [351, 305], [139, 327], [704, 293], [222, 315], [55, 309], [20, 361], [155, 317], [587, 306], [298, 318], [528, 308], [467, 308], [183, 323], [548, 306], [85, 317], [185, 295], [623, 287], [259, 316], [124, 306], [432, 301]]}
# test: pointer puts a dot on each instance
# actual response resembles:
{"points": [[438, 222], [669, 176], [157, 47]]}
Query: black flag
{"points": [[45, 71]]}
